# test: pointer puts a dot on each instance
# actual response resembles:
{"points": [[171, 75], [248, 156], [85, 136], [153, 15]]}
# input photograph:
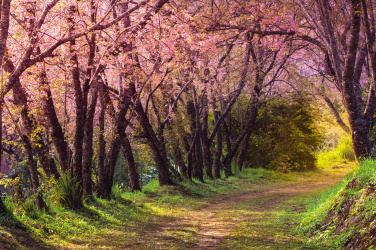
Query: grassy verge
{"points": [[344, 215]]}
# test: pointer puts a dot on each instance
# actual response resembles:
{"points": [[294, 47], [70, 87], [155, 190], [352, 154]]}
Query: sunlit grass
{"points": [[333, 200], [341, 154]]}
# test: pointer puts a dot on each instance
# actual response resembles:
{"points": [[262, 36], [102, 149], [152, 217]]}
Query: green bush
{"points": [[69, 192], [285, 137]]}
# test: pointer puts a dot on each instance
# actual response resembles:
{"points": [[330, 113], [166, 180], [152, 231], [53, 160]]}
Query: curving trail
{"points": [[217, 223]]}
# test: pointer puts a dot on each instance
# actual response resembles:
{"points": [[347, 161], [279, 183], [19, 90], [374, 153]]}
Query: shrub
{"points": [[6, 213], [285, 137]]}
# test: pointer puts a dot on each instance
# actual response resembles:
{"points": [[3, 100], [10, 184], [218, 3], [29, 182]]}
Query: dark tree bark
{"points": [[39, 146], [53, 125], [189, 157], [205, 143], [4, 26], [41, 149], [1, 134], [119, 134], [159, 155], [198, 170], [32, 167], [80, 103], [217, 165], [196, 161], [134, 184], [248, 131], [102, 143], [178, 156], [336, 115], [229, 155], [88, 144], [359, 126]]}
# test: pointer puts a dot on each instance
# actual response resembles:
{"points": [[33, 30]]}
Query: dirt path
{"points": [[247, 219], [217, 223]]}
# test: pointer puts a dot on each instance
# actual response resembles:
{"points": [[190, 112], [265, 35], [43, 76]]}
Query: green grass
{"points": [[319, 224], [342, 153]]}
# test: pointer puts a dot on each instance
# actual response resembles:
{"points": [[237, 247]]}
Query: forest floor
{"points": [[246, 213], [254, 216]]}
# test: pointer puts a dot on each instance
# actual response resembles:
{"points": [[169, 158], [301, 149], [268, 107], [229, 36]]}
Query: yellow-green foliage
{"points": [[343, 152]]}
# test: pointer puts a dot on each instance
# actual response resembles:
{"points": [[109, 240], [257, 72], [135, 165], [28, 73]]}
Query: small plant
{"points": [[30, 208], [69, 192], [115, 192], [152, 186]]}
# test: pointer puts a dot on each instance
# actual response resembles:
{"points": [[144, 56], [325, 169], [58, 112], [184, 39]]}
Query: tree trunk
{"points": [[102, 145], [359, 125], [88, 144], [1, 134], [249, 129], [54, 127], [20, 99], [178, 156], [228, 159], [205, 143], [119, 134], [198, 167], [42, 151], [196, 160], [218, 150], [337, 116], [32, 166], [159, 156], [134, 184]]}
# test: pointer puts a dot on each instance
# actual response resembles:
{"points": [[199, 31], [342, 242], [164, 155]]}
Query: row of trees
{"points": [[88, 79]]}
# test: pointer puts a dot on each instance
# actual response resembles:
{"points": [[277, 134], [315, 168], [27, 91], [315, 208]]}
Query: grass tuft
{"points": [[68, 192]]}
